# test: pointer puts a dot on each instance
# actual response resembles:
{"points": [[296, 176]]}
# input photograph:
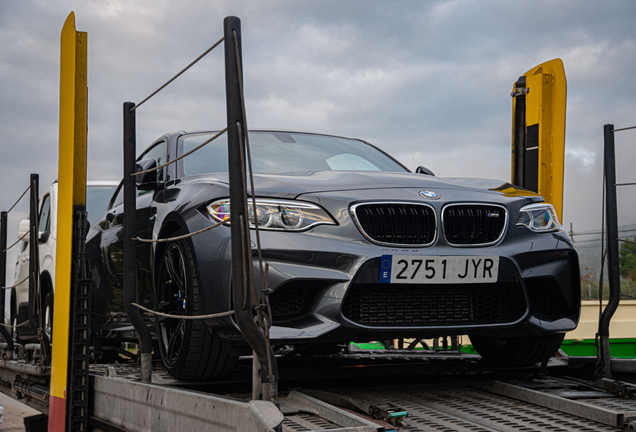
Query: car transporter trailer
{"points": [[355, 390]]}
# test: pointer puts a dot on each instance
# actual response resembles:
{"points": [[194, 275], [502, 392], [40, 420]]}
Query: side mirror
{"points": [[423, 170], [147, 181], [23, 230]]}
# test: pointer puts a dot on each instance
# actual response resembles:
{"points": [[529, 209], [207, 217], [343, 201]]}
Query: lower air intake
{"points": [[405, 305]]}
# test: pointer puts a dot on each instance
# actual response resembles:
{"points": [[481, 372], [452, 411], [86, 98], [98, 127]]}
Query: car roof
{"points": [[102, 183], [199, 131]]}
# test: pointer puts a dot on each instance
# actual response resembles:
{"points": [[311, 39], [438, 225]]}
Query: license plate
{"points": [[438, 269]]}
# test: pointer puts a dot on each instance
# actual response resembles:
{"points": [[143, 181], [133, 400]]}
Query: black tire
{"points": [[108, 356], [47, 306], [188, 348], [517, 351]]}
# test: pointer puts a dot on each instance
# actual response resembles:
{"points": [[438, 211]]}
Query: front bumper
{"points": [[331, 293]]}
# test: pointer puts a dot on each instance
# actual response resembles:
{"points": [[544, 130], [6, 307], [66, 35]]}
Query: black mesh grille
{"points": [[396, 223], [473, 224], [293, 299], [287, 302], [396, 305]]}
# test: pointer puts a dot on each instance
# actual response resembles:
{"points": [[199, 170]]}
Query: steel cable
{"points": [[185, 317], [18, 284], [19, 240], [249, 160], [182, 156], [162, 240], [622, 129], [178, 75], [15, 326], [21, 196], [265, 320]]}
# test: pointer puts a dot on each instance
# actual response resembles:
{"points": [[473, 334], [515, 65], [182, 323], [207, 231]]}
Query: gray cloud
{"points": [[427, 81]]}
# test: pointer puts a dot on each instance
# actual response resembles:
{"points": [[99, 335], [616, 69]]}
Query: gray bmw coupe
{"points": [[358, 247]]}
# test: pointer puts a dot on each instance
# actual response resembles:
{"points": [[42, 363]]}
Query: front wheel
{"points": [[188, 348], [517, 351]]}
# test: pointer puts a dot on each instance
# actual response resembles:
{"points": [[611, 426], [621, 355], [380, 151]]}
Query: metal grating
{"points": [[396, 305], [473, 224], [461, 408], [397, 223], [303, 422]]}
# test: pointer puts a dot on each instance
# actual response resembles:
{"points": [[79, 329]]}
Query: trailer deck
{"points": [[439, 390]]}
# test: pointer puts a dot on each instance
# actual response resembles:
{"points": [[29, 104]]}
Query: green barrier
{"points": [[619, 348]]}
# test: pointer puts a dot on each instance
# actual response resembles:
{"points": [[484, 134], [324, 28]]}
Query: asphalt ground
{"points": [[14, 414]]}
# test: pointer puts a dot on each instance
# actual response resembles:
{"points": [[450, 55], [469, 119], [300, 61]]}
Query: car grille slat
{"points": [[473, 224], [397, 223], [397, 305]]}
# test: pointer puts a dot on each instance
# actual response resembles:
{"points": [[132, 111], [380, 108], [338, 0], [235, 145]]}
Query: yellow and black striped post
{"points": [[71, 198], [538, 131]]}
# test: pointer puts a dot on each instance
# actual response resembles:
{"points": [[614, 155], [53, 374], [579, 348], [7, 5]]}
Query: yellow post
{"points": [[71, 196], [539, 103]]}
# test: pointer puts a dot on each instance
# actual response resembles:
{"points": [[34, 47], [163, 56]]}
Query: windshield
{"points": [[287, 153]]}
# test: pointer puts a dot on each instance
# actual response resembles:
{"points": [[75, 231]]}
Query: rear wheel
{"points": [[13, 318], [188, 348], [48, 316], [517, 351]]}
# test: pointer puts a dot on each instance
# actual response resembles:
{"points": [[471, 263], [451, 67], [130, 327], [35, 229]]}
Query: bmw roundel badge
{"points": [[429, 195]]}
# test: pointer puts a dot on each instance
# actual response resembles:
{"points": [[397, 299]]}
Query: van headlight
{"points": [[539, 218], [276, 214]]}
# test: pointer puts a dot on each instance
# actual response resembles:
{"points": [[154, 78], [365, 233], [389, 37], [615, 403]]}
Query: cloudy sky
{"points": [[427, 81]]}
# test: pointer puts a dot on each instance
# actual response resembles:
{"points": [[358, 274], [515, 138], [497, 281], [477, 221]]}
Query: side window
{"points": [[158, 153], [119, 199], [45, 217]]}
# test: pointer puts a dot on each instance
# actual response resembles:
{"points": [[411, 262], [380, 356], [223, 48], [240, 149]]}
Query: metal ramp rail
{"points": [[439, 398], [444, 391]]}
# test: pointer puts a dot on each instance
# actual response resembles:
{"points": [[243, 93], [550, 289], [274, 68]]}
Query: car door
{"points": [[112, 240]]}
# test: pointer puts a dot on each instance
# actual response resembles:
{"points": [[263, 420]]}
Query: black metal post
{"points": [[519, 133], [129, 246], [239, 220], [613, 267], [3, 278], [36, 310], [34, 274]]}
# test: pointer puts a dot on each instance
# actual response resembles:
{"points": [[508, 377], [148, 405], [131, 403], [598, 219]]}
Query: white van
{"points": [[98, 194]]}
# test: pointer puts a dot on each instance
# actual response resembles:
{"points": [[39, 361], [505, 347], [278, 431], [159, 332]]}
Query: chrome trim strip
{"points": [[352, 211], [503, 231], [525, 315]]}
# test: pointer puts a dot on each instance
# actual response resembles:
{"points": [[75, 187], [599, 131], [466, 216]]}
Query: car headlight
{"points": [[539, 218], [276, 214]]}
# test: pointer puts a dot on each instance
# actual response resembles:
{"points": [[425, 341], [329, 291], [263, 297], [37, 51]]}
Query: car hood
{"points": [[292, 186]]}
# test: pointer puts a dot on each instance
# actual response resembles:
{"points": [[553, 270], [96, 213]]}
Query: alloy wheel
{"points": [[173, 285]]}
